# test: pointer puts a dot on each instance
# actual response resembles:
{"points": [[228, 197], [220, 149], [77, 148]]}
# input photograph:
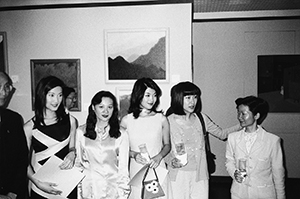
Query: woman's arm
{"points": [[69, 160], [155, 161]]}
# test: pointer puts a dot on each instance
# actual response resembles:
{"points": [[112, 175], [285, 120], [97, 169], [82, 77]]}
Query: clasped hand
{"points": [[153, 163], [175, 163], [239, 177]]}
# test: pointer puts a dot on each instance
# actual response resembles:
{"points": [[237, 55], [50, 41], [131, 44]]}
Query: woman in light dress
{"points": [[146, 125], [102, 151]]}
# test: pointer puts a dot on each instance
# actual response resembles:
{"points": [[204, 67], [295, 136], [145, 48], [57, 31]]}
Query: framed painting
{"points": [[123, 98], [279, 82], [135, 53], [67, 70], [3, 53]]}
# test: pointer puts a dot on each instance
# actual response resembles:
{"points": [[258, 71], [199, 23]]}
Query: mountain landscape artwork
{"points": [[135, 54]]}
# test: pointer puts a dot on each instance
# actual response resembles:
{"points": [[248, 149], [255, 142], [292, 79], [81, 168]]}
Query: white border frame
{"points": [[124, 31]]}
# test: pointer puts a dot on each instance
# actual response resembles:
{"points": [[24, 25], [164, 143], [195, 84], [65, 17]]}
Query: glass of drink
{"points": [[181, 153], [144, 152], [242, 168]]}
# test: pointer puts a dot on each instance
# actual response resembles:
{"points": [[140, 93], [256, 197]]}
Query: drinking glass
{"points": [[181, 153], [144, 152]]}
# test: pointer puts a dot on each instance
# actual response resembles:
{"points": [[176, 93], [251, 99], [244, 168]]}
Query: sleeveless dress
{"points": [[105, 164], [145, 130], [47, 141]]}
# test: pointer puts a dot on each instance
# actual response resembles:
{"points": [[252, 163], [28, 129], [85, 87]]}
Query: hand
{"points": [[140, 159], [155, 161], [48, 187], [239, 176], [69, 161], [6, 197], [175, 163]]}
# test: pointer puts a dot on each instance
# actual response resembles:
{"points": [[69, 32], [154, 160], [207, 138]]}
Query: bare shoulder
{"points": [[28, 126], [124, 121]]}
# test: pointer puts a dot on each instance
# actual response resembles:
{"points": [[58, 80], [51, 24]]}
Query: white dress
{"points": [[145, 130], [105, 163]]}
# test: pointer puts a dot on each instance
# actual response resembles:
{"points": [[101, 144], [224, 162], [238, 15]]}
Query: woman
{"points": [[50, 132], [70, 97], [187, 162], [255, 152], [103, 151], [146, 125]]}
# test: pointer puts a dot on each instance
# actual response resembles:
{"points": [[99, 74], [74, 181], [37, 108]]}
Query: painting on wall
{"points": [[279, 82], [3, 53], [123, 97], [67, 70], [132, 54]]}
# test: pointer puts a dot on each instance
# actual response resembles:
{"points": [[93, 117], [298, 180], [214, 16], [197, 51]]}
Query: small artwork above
{"points": [[132, 54], [68, 70], [279, 82]]}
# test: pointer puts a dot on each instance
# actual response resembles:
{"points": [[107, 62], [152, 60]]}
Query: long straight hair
{"points": [[41, 91]]}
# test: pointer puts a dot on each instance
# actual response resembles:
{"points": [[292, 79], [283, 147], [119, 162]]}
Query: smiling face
{"points": [[104, 110], [53, 99], [245, 116], [149, 99], [189, 103]]}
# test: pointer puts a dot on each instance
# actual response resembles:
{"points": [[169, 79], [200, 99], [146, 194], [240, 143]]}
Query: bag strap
{"points": [[146, 173], [207, 145]]}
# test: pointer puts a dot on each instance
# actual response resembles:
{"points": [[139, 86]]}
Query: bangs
{"points": [[191, 92]]}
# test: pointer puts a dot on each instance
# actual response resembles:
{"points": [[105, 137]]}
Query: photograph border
{"points": [[121, 91], [106, 47], [4, 49], [56, 63]]}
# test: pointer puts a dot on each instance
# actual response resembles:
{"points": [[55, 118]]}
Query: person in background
{"points": [[50, 132], [13, 147], [103, 150], [254, 157], [70, 97], [149, 127], [187, 161]]}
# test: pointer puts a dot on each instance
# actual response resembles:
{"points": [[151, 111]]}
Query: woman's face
{"points": [[54, 98], [245, 116], [189, 103], [104, 110], [70, 100], [149, 99]]}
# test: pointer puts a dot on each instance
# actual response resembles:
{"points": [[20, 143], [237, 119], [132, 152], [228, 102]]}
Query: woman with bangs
{"points": [[187, 162], [51, 132], [148, 127]]}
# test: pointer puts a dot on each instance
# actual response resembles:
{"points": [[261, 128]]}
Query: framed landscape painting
{"points": [[132, 54], [68, 70], [123, 97], [3, 53]]}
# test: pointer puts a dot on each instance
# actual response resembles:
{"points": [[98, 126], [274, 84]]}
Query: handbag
{"points": [[151, 188], [210, 157]]}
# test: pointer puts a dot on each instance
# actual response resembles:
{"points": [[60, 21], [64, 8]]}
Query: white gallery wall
{"points": [[78, 33], [225, 68]]}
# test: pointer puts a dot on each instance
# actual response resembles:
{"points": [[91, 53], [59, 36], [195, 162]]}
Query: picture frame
{"points": [[279, 82], [123, 98], [131, 54], [3, 52], [68, 70]]}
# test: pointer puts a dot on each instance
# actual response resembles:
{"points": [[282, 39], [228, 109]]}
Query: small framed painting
{"points": [[68, 70]]}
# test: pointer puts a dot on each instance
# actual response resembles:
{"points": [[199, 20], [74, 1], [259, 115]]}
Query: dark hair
{"points": [[92, 118], [67, 91], [256, 105], [177, 94], [7, 77], [138, 91], [42, 88]]}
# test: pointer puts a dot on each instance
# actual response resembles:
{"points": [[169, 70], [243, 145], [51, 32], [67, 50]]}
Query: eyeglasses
{"points": [[6, 87]]}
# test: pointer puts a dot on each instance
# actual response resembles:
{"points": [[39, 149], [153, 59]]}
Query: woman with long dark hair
{"points": [[50, 132], [102, 151]]}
